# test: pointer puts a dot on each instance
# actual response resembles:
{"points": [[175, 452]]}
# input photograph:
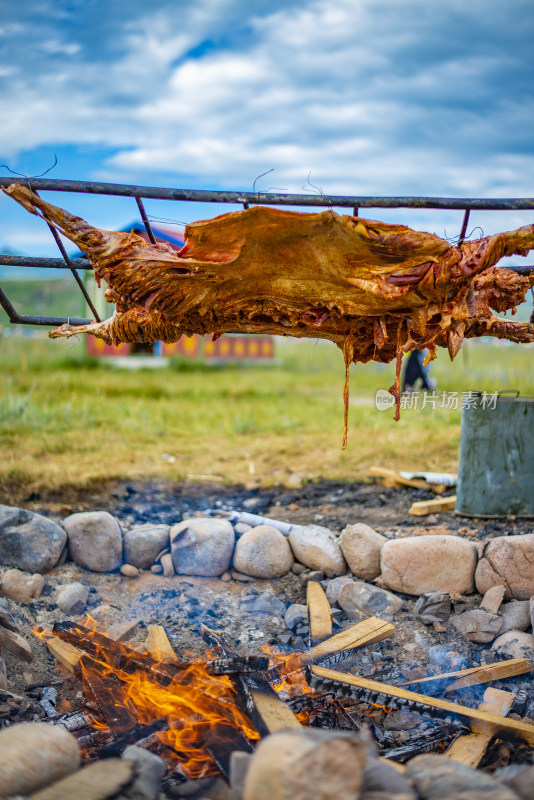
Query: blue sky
{"points": [[392, 97]]}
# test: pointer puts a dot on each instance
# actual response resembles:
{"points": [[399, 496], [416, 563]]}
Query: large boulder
{"points": [[29, 541], [437, 778], [95, 540], [416, 565], [507, 561], [361, 546], [306, 763], [34, 755], [317, 548], [143, 543], [202, 546], [263, 552]]}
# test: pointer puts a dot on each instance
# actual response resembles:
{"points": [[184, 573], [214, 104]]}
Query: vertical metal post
{"points": [[74, 271], [464, 226], [144, 217], [355, 211], [71, 266]]}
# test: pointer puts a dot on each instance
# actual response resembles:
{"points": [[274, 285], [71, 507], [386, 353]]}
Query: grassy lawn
{"points": [[68, 421]]}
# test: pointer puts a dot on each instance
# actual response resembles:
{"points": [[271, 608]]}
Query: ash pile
{"points": [[221, 658]]}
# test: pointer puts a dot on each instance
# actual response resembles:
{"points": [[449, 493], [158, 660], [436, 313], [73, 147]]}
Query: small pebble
{"points": [[157, 569], [240, 576], [226, 576], [241, 528], [314, 575], [130, 571], [168, 566], [297, 568]]}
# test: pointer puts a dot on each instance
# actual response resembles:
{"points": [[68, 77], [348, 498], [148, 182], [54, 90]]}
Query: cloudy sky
{"points": [[378, 97]]}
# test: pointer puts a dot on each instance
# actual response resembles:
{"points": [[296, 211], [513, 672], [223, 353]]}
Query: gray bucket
{"points": [[496, 464]]}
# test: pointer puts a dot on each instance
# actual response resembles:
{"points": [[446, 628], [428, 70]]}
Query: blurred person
{"points": [[415, 370]]}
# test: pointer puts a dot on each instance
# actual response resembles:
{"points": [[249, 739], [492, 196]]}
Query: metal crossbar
{"points": [[214, 196]]}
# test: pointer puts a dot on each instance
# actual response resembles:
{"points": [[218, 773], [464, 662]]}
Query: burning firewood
{"points": [[381, 693], [375, 289], [470, 749], [157, 644]]}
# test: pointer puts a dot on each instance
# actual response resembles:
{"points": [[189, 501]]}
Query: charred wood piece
{"points": [[72, 721], [216, 640], [48, 701], [118, 654], [88, 738], [135, 735], [240, 664], [220, 750], [520, 701], [104, 690], [307, 702], [377, 698], [420, 744]]}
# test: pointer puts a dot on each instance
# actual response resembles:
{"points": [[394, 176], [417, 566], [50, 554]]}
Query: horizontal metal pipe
{"points": [[84, 263], [271, 198], [45, 263], [27, 319]]}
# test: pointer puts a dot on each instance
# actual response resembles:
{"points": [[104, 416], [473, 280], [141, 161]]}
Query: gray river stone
{"points": [[202, 546], [29, 541], [95, 540]]}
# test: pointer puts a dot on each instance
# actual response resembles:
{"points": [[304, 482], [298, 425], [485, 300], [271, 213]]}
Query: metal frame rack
{"points": [[207, 196]]}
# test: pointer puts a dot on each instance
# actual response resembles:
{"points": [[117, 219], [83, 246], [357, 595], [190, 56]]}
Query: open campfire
{"points": [[195, 713]]}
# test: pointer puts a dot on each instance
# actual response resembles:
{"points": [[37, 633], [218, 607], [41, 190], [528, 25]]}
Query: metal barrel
{"points": [[496, 464]]}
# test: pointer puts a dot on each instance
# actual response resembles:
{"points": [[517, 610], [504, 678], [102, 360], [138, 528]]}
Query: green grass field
{"points": [[66, 420]]}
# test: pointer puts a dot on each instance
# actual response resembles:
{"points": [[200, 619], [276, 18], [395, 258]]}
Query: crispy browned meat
{"points": [[376, 290]]}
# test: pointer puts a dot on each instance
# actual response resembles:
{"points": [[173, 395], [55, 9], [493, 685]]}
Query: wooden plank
{"points": [[268, 713], [15, 644], [392, 478], [486, 722], [319, 612], [475, 675], [366, 632], [157, 644], [470, 748], [425, 507], [66, 653]]}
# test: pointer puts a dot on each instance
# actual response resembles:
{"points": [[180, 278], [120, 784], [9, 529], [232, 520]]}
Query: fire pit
{"points": [[223, 681]]}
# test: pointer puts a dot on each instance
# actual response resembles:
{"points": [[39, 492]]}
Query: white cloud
{"points": [[372, 96]]}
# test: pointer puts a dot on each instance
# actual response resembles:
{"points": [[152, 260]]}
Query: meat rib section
{"points": [[375, 289]]}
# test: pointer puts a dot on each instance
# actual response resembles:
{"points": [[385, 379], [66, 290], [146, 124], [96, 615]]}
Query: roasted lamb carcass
{"points": [[376, 290]]}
